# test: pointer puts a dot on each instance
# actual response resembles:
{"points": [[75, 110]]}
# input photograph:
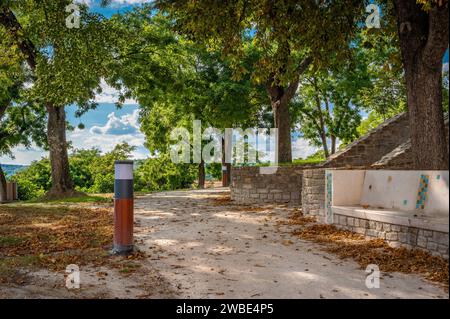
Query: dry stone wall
{"points": [[249, 186]]}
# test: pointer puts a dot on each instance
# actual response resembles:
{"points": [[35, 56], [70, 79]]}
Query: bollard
{"points": [[123, 207]]}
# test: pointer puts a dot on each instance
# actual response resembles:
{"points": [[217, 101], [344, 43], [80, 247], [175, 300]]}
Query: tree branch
{"points": [[10, 22]]}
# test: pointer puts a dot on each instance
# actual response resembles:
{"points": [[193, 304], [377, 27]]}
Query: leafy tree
{"points": [[185, 83], [160, 173], [67, 65], [380, 51], [328, 105], [21, 123], [34, 181], [102, 168], [289, 37]]}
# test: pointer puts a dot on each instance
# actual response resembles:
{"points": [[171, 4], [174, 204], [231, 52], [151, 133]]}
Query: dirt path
{"points": [[202, 247], [209, 249]]}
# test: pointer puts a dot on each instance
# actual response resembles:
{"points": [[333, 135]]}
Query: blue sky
{"points": [[107, 126]]}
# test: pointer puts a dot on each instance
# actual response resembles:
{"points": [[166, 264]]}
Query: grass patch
{"points": [[10, 241], [296, 162], [52, 237], [94, 199]]}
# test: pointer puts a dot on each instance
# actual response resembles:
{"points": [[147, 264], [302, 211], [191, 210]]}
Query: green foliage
{"points": [[33, 181], [283, 32], [214, 171], [157, 174], [93, 172]]}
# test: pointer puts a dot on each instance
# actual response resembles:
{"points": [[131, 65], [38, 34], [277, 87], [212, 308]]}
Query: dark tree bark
{"points": [[56, 134], [423, 41], [280, 97], [201, 174], [3, 195], [226, 174], [333, 144]]}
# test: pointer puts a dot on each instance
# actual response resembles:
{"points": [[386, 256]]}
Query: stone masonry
{"points": [[401, 157], [397, 235], [249, 186], [313, 193], [374, 145]]}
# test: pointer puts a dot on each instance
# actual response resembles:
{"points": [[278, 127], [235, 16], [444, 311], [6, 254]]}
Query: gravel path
{"points": [[207, 248], [202, 247]]}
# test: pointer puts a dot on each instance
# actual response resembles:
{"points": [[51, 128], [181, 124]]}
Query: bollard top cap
{"points": [[129, 162]]}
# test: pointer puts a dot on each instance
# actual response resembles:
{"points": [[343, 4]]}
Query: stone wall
{"points": [[249, 186], [374, 145], [401, 157], [313, 193], [435, 242]]}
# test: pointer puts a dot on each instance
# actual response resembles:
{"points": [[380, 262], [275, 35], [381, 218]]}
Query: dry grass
{"points": [[52, 238], [347, 244]]}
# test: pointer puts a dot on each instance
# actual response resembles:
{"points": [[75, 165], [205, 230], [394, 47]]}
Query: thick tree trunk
{"points": [[56, 136], [426, 117], [3, 195], [283, 123], [279, 100], [201, 175], [424, 40]]}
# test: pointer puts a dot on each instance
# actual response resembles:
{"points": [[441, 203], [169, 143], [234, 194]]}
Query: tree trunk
{"points": [[3, 195], [333, 144], [201, 174], [423, 41], [56, 136], [322, 132], [426, 118], [324, 144], [226, 173], [279, 99]]}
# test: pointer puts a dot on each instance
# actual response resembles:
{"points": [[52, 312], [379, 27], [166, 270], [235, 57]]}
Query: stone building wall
{"points": [[249, 186], [435, 242]]}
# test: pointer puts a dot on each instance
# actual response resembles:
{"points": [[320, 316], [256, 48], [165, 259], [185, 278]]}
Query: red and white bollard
{"points": [[123, 207]]}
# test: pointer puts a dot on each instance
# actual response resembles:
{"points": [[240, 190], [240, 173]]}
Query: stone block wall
{"points": [[435, 242], [373, 146], [313, 193], [248, 186], [401, 157]]}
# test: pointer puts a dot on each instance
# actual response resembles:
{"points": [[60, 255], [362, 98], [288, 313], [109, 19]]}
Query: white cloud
{"points": [[116, 130], [110, 95], [23, 156], [126, 124], [302, 149], [445, 67]]}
